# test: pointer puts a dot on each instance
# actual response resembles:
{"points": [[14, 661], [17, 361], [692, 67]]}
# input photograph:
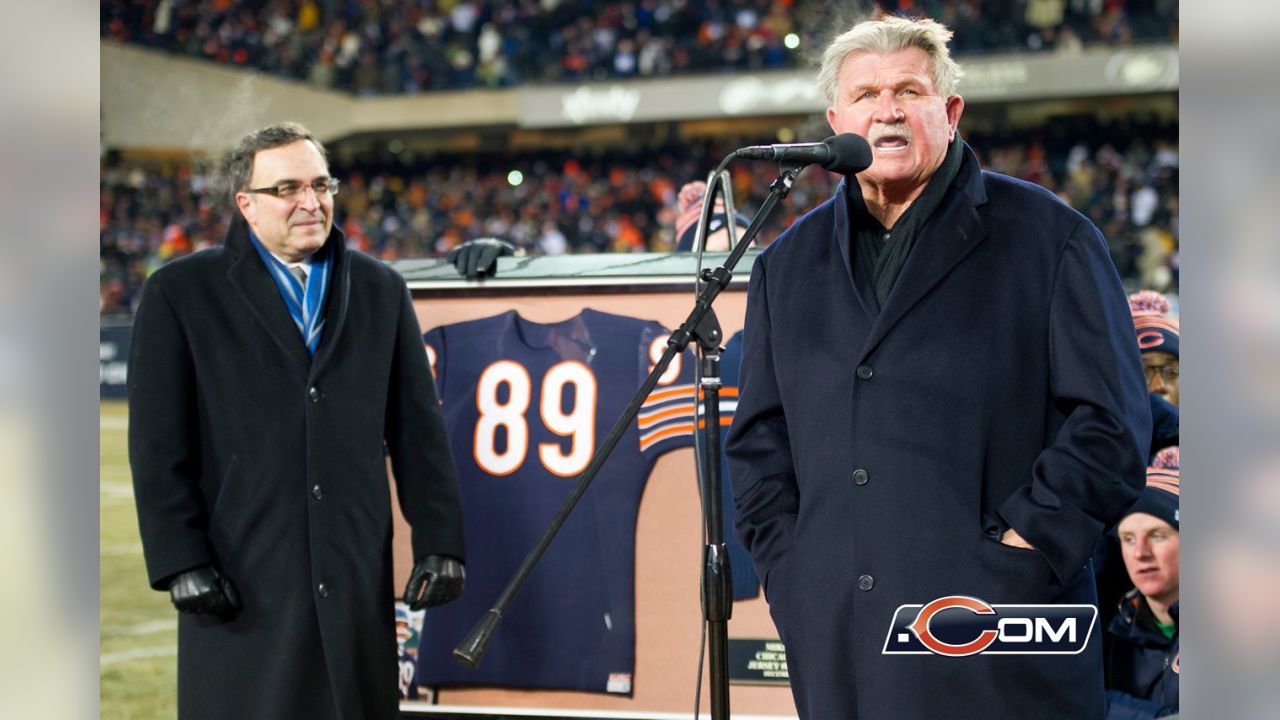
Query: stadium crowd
{"points": [[1122, 174], [372, 47]]}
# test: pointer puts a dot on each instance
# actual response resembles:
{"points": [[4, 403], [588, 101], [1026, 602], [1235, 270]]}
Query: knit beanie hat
{"points": [[1157, 331], [689, 209], [1160, 497], [1167, 458]]}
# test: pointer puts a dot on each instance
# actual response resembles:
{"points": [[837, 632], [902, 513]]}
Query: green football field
{"points": [[138, 626]]}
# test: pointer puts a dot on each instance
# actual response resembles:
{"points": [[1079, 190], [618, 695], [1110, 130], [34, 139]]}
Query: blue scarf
{"points": [[307, 310]]}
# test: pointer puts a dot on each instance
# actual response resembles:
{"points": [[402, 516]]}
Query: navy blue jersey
{"points": [[746, 583], [526, 404]]}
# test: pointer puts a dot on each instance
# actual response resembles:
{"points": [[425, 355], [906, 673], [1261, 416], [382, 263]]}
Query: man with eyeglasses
{"points": [[1158, 334], [267, 378]]}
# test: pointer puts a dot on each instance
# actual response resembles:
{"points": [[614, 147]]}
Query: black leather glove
{"points": [[444, 577], [204, 591], [479, 258]]}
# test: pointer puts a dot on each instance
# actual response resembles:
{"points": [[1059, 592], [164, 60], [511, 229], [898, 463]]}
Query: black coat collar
{"points": [[251, 278], [945, 239]]}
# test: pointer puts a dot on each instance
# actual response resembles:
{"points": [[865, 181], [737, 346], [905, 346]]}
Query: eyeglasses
{"points": [[292, 190], [1168, 373]]}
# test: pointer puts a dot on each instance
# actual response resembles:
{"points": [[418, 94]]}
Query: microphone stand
{"points": [[703, 325]]}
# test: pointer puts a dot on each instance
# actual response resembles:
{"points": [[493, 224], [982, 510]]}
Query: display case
{"points": [[668, 535]]}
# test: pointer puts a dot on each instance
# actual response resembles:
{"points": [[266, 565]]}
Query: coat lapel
{"points": [[844, 238], [262, 299], [947, 238], [335, 310]]}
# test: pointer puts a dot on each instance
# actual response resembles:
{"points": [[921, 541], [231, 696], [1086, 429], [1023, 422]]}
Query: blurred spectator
{"points": [[1141, 653], [689, 205], [409, 47], [399, 206], [1158, 340]]}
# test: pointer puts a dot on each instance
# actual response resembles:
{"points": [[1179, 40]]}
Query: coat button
{"points": [[860, 476], [314, 393], [323, 590], [865, 582], [316, 492], [865, 372]]}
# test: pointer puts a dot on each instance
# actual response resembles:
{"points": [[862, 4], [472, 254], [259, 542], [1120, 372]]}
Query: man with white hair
{"points": [[940, 396]]}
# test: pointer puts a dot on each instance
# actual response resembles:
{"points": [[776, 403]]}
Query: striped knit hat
{"points": [[1157, 331], [1167, 458], [1160, 496], [689, 209]]}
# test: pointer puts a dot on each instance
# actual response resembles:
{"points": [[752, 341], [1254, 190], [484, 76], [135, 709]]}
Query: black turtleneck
{"points": [[880, 253]]}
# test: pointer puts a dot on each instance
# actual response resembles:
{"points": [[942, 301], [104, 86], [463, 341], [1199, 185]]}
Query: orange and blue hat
{"points": [[1157, 329], [689, 209], [1160, 497]]}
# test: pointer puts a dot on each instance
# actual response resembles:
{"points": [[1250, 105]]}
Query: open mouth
{"points": [[891, 143]]}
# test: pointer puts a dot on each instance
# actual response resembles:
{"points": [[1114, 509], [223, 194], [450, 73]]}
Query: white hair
{"points": [[890, 35]]}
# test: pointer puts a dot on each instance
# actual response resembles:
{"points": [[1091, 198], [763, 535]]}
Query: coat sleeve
{"points": [[426, 478], [164, 446], [765, 494], [1094, 466]]}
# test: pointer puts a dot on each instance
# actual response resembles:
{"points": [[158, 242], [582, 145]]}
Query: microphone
{"points": [[845, 154]]}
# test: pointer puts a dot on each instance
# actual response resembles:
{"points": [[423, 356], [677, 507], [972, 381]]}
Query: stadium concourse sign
{"points": [[988, 78]]}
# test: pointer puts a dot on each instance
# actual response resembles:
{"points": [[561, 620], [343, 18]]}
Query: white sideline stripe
{"points": [[139, 654], [111, 422], [142, 628]]}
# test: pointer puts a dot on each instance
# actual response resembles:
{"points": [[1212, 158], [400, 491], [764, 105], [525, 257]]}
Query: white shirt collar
{"points": [[305, 264]]}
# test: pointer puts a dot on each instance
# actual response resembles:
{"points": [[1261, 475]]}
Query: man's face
{"points": [[891, 100], [1162, 374], [291, 227], [1150, 549]]}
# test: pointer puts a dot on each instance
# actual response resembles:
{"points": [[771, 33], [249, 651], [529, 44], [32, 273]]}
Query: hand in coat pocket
{"points": [[1013, 539]]}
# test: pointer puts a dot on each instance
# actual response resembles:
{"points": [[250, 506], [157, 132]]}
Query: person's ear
{"points": [[247, 207], [955, 108]]}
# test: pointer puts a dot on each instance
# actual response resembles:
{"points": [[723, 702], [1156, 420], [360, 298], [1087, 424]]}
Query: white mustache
{"points": [[883, 131]]}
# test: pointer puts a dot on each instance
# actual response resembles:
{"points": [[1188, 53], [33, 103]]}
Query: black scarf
{"points": [[879, 254]]}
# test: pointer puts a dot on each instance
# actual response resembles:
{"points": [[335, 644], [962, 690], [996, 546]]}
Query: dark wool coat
{"points": [[876, 461], [249, 454]]}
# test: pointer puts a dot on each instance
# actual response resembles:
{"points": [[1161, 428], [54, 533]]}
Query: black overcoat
{"points": [[876, 461], [250, 454]]}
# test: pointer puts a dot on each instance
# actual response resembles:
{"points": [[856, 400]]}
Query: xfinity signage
{"points": [[991, 78]]}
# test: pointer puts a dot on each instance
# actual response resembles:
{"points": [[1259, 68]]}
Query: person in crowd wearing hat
{"points": [[1157, 333], [1141, 659], [689, 208], [1157, 337]]}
